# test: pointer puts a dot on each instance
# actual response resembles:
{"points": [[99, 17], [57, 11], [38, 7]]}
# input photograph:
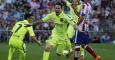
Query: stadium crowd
{"points": [[102, 18]]}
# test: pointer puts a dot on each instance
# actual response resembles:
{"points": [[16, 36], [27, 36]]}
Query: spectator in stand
{"points": [[95, 23], [105, 38], [1, 28], [18, 14], [35, 4], [96, 39], [103, 12], [50, 6]]}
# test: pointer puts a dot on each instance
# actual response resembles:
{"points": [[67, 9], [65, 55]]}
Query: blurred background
{"points": [[102, 18]]}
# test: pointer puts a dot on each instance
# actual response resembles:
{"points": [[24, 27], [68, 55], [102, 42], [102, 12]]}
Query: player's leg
{"points": [[60, 49], [11, 52], [79, 50], [92, 52], [64, 48], [69, 45], [82, 53], [76, 52], [22, 52], [89, 49], [70, 34], [49, 45], [47, 51], [78, 39]]}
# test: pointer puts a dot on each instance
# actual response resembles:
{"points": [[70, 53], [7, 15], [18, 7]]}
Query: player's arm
{"points": [[69, 19], [82, 17], [72, 12], [32, 35], [68, 4], [45, 19], [35, 39]]}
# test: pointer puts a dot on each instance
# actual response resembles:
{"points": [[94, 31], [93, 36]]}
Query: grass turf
{"points": [[34, 52]]}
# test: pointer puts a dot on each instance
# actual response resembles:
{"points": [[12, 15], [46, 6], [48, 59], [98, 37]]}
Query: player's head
{"points": [[28, 17], [58, 8], [74, 2]]}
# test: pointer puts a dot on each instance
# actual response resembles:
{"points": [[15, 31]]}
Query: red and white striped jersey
{"points": [[84, 12]]}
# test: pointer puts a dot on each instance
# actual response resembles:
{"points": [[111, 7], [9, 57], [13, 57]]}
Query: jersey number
{"points": [[20, 25]]}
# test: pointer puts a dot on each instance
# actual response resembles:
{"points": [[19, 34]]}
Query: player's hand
{"points": [[77, 28], [39, 43]]}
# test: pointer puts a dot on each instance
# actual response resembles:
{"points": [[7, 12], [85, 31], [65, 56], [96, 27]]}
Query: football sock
{"points": [[46, 55], [91, 51], [82, 51], [11, 51], [76, 53]]}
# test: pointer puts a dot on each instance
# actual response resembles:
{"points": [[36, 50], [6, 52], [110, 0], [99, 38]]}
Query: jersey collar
{"points": [[26, 21], [61, 14]]}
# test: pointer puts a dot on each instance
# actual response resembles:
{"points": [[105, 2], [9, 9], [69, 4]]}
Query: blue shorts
{"points": [[81, 38]]}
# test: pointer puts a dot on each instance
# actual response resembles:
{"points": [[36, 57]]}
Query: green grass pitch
{"points": [[34, 52]]}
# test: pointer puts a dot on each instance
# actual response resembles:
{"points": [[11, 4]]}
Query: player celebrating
{"points": [[59, 32], [70, 30], [18, 33], [82, 36]]}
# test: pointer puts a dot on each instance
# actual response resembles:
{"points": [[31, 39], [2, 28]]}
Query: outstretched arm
{"points": [[45, 19], [37, 41], [34, 23], [72, 12]]}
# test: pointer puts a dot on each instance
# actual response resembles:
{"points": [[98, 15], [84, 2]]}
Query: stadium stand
{"points": [[102, 18]]}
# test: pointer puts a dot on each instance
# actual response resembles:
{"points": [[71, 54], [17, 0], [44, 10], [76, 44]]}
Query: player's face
{"points": [[58, 9], [30, 19], [74, 2]]}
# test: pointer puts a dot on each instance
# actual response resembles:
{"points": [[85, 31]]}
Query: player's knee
{"points": [[83, 46], [23, 52], [48, 48], [77, 48]]}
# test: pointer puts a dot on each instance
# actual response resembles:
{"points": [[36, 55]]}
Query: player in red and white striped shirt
{"points": [[82, 35]]}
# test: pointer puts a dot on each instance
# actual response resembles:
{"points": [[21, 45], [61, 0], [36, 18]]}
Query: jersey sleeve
{"points": [[71, 9], [30, 30], [72, 13], [68, 19], [48, 17]]}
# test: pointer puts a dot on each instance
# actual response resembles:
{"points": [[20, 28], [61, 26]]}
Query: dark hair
{"points": [[83, 0], [59, 3], [27, 15]]}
